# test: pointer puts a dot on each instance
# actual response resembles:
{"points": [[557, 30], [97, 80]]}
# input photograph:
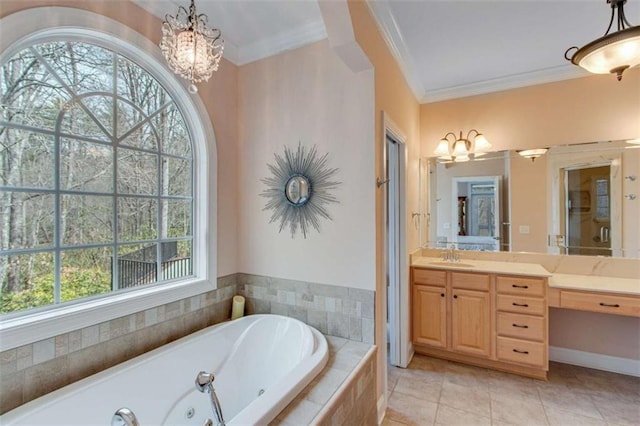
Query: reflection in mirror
{"points": [[576, 199], [297, 190], [466, 206]]}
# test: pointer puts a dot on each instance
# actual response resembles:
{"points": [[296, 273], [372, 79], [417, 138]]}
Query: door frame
{"points": [[399, 320], [556, 220]]}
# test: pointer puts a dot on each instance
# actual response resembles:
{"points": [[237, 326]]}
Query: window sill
{"points": [[30, 328]]}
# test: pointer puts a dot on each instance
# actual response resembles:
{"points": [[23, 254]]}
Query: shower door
{"points": [[588, 210]]}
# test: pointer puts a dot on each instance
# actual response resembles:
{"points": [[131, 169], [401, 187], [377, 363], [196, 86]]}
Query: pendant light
{"points": [[612, 53]]}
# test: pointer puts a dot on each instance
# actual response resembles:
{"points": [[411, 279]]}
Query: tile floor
{"points": [[437, 392]]}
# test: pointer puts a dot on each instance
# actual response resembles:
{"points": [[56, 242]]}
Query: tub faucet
{"points": [[204, 383], [124, 417]]}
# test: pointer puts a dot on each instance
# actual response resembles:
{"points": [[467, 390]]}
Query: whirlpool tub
{"points": [[260, 363]]}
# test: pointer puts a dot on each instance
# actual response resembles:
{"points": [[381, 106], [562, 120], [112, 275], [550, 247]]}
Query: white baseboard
{"points": [[382, 408], [614, 364]]}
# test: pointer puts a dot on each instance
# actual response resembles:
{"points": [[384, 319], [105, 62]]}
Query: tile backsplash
{"points": [[337, 311], [33, 370]]}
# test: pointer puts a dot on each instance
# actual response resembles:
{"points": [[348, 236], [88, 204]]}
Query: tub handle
{"points": [[124, 417]]}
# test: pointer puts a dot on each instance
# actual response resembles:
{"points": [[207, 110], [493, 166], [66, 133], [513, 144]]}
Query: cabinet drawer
{"points": [[521, 351], [430, 277], [619, 305], [479, 282], [521, 304], [521, 286], [521, 326]]}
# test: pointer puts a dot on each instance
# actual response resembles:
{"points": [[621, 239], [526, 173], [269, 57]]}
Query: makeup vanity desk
{"points": [[618, 296], [494, 314]]}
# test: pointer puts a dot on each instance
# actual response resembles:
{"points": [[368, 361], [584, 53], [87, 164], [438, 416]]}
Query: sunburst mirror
{"points": [[299, 190]]}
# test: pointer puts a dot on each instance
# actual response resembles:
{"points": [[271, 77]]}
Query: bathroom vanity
{"points": [[495, 314], [490, 314]]}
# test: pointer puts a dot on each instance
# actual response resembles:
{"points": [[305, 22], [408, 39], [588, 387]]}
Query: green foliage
{"points": [[76, 283]]}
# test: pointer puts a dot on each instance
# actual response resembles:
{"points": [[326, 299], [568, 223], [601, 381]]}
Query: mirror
{"points": [[579, 199], [297, 190]]}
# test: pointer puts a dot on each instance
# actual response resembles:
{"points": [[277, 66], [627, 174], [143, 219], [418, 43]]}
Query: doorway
{"points": [[396, 297], [588, 210]]}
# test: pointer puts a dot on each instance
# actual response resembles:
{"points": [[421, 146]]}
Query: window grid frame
{"points": [[114, 141]]}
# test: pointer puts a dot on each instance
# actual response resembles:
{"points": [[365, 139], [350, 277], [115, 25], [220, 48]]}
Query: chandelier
{"points": [[612, 53], [461, 149], [192, 50]]}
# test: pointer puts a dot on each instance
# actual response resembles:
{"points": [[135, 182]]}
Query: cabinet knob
{"points": [[441, 294], [455, 296]]}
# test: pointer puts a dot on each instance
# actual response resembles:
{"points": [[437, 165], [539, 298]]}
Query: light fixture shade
{"points": [[443, 148], [533, 153], [610, 54], [481, 144], [460, 148], [192, 50]]}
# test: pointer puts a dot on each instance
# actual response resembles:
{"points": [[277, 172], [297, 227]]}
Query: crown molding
{"points": [[300, 36], [393, 38], [514, 81], [395, 42]]}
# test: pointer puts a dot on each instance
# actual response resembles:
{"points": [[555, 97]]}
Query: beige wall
{"points": [[219, 95], [308, 95], [593, 108], [529, 206], [394, 97]]}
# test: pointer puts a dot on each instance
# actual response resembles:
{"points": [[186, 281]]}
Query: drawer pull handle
{"points": [[609, 305], [521, 352], [519, 286], [520, 326], [522, 305]]}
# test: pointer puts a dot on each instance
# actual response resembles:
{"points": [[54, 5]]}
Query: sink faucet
{"points": [[451, 255], [204, 383]]}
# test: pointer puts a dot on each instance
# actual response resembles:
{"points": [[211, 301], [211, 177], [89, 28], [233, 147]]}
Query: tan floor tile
{"points": [[410, 410], [470, 399], [388, 422], [518, 411], [566, 418], [467, 376], [618, 411], [419, 386], [569, 400], [448, 416]]}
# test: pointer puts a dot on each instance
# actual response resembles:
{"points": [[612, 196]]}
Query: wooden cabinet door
{"points": [[429, 316], [471, 322]]}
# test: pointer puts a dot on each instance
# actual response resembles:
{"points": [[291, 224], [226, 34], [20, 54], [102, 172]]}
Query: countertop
{"points": [[595, 283], [511, 268]]}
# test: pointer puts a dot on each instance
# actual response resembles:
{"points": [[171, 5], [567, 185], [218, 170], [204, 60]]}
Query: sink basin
{"points": [[452, 264]]}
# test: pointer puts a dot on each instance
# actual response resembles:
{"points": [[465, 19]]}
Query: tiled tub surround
{"points": [[30, 371], [342, 394], [337, 311]]}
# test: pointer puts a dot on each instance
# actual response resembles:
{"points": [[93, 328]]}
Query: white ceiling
{"points": [[446, 48]]}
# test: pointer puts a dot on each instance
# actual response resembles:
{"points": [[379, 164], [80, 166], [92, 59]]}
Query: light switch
{"points": [[523, 229]]}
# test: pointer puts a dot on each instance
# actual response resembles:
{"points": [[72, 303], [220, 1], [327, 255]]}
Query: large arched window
{"points": [[96, 177]]}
